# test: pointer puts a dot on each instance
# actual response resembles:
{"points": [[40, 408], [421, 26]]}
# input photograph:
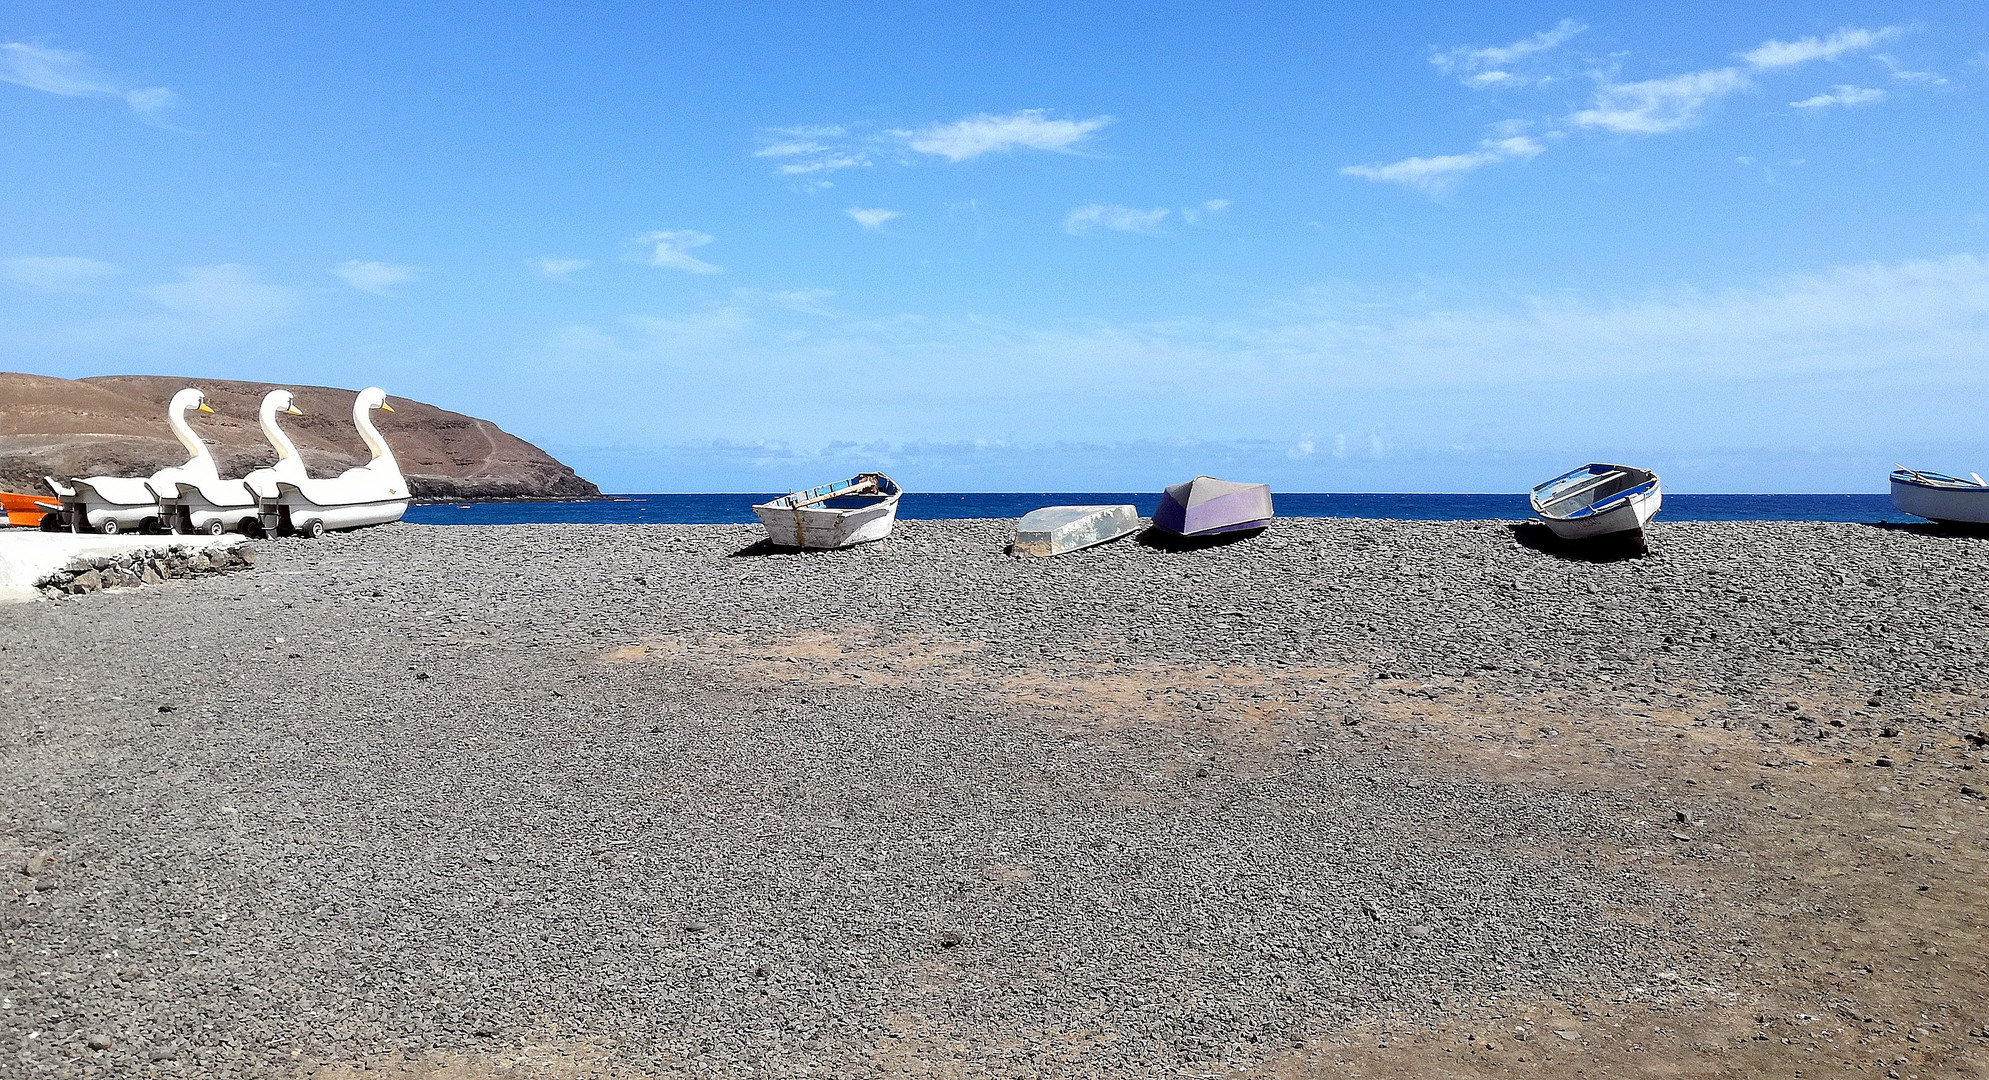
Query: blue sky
{"points": [[1014, 247]]}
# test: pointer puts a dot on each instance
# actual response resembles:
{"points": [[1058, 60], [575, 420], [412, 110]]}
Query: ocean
{"points": [[719, 509]]}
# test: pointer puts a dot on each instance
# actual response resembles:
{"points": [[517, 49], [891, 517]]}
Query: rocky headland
{"points": [[116, 425]]}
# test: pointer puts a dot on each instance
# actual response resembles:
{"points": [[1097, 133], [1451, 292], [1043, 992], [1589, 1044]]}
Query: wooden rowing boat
{"points": [[854, 511]]}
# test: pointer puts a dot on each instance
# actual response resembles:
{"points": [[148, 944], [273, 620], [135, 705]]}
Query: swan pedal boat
{"points": [[106, 504], [1939, 497], [289, 500], [1598, 500], [858, 510]]}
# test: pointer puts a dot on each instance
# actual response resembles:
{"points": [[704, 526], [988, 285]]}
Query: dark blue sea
{"points": [[737, 509]]}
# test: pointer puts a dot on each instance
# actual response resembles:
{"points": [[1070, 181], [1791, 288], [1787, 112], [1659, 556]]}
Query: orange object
{"points": [[26, 509]]}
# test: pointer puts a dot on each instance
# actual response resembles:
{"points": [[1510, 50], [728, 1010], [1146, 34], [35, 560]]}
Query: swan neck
{"points": [[184, 432], [362, 418], [271, 430]]}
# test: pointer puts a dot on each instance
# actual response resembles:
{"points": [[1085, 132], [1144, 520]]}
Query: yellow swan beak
{"points": [[387, 407], [294, 411], [204, 408]]}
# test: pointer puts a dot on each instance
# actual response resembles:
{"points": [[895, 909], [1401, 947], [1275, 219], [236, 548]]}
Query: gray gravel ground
{"points": [[382, 792]]}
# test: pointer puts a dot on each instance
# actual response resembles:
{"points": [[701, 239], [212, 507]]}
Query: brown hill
{"points": [[116, 425]]}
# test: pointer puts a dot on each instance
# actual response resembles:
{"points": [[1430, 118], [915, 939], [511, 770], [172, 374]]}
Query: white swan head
{"points": [[280, 401], [371, 398], [188, 399]]}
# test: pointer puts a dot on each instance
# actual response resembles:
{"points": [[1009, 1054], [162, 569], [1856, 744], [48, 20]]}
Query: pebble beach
{"points": [[1348, 798]]}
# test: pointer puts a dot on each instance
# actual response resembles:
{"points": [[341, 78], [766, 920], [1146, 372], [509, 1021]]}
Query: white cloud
{"points": [[554, 268], [805, 150], [374, 277], [69, 74], [986, 133], [1435, 174], [1781, 54], [56, 273], [1656, 106], [871, 219], [1195, 215], [1841, 95], [219, 301], [1094, 216], [804, 301], [1925, 78], [670, 250], [1482, 67]]}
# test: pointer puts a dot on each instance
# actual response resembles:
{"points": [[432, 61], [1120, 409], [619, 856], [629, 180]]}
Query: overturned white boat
{"points": [[1939, 497], [1598, 500], [853, 511], [1054, 530], [370, 494]]}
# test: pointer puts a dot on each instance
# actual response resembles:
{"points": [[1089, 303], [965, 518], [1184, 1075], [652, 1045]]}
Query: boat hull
{"points": [[822, 529], [188, 509], [26, 511], [1054, 530], [291, 511], [86, 509], [1598, 500], [1964, 506], [1635, 512], [807, 519], [1206, 506]]}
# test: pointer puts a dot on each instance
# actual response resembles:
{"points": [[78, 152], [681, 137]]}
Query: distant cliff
{"points": [[116, 425]]}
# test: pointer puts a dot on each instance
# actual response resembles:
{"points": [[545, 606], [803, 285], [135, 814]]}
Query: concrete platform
{"points": [[28, 555]]}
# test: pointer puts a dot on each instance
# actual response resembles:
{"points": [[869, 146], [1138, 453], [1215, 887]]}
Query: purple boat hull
{"points": [[1206, 506]]}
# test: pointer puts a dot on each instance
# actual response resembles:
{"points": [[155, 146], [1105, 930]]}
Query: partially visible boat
{"points": [[1939, 497], [26, 511], [1206, 506], [1054, 530], [1598, 500], [854, 511]]}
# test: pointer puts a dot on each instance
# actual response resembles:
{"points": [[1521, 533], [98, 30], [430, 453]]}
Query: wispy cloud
{"points": [[1782, 54], [988, 133], [1484, 67], [554, 268], [1841, 95], [1095, 216], [804, 150], [55, 273], [69, 74], [374, 277], [1656, 106], [871, 219], [811, 154], [1436, 174], [670, 250], [804, 301], [1196, 215], [1926, 78], [1660, 106], [230, 301]]}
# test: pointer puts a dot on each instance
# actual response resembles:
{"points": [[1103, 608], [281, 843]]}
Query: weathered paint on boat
{"points": [[1054, 530], [1206, 506], [858, 510]]}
